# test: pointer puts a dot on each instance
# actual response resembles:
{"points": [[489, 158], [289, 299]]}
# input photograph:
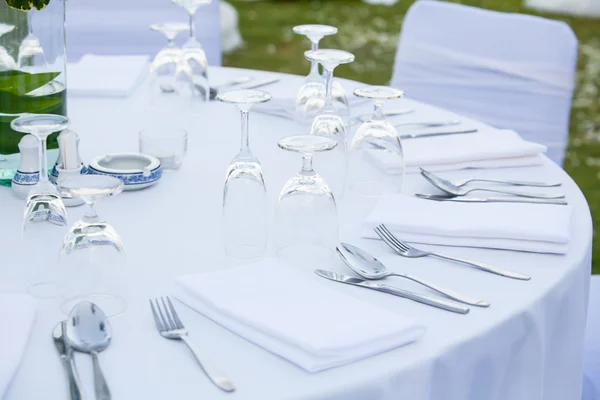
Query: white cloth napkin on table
{"points": [[17, 313], [487, 148], [295, 316], [106, 76], [539, 228]]}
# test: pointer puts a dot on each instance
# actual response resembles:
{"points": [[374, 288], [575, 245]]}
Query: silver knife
{"points": [[431, 134], [420, 298], [66, 355], [389, 113], [499, 199], [262, 82]]}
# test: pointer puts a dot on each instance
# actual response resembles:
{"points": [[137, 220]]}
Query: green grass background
{"points": [[371, 33]]}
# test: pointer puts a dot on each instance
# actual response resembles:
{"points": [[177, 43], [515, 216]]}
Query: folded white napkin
{"points": [[537, 228], [296, 316], [487, 148], [106, 76], [17, 312]]}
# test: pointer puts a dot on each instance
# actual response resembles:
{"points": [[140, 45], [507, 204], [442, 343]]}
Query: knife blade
{"points": [[66, 355], [420, 298], [259, 83], [497, 199], [431, 134]]}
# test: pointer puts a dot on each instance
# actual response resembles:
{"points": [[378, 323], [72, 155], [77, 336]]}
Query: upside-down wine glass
{"points": [[375, 148], [329, 123], [311, 96], [245, 195], [165, 62], [306, 220], [44, 216], [92, 253], [193, 54]]}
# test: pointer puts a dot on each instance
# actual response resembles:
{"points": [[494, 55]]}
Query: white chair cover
{"points": [[122, 27], [591, 362], [509, 70]]}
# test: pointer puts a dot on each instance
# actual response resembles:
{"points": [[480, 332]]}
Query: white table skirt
{"points": [[527, 345]]}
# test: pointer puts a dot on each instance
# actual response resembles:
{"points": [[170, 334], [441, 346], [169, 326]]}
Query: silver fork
{"points": [[170, 327], [406, 250]]}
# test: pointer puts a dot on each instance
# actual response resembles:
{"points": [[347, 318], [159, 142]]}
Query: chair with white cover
{"points": [[591, 361], [511, 71], [123, 27]]}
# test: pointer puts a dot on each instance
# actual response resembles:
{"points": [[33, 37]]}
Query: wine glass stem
{"points": [[314, 66], [90, 213], [43, 162], [192, 33], [329, 86], [29, 22], [307, 166], [245, 143], [378, 110]]}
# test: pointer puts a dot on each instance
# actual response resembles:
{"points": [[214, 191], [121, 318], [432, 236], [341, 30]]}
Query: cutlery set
{"points": [[245, 82]]}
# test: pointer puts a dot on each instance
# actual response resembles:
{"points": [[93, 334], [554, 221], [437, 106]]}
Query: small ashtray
{"points": [[137, 171]]}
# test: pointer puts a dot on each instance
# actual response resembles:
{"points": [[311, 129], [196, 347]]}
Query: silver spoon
{"points": [[369, 267], [452, 189], [88, 331], [66, 355]]}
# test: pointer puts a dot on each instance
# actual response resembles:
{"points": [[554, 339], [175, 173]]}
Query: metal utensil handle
{"points": [[486, 267], [517, 183], [431, 134], [234, 82], [100, 385], [213, 373], [526, 200], [420, 298], [524, 194], [446, 292], [258, 84], [75, 388]]}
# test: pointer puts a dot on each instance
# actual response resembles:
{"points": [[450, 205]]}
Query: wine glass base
{"points": [[244, 252], [306, 254], [45, 290], [112, 305]]}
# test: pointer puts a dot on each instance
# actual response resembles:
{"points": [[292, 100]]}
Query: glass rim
{"points": [[163, 133]]}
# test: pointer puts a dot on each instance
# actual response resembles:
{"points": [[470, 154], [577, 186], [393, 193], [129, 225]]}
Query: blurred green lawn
{"points": [[371, 33]]}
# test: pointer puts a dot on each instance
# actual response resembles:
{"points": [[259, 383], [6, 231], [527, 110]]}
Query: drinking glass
{"points": [[170, 52], [168, 144], [329, 123], [245, 194], [92, 252], [45, 216], [306, 222], [311, 96], [375, 147], [193, 54]]}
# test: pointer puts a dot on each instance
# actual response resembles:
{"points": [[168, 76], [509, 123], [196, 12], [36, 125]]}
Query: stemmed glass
{"points": [[306, 221], [328, 122], [245, 194], [375, 145], [311, 96], [92, 247], [192, 53], [45, 216], [164, 65], [31, 54]]}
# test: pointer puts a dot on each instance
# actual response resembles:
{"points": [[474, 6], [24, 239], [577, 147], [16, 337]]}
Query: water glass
{"points": [[169, 145]]}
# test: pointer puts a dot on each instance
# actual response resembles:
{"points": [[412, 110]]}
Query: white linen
{"points": [[508, 70], [487, 148], [106, 76], [591, 372], [539, 228], [17, 313], [304, 321], [527, 346]]}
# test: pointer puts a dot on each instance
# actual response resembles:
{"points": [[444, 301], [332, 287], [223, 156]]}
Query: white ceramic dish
{"points": [[137, 171]]}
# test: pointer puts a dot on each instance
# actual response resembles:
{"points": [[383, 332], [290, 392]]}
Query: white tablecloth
{"points": [[527, 345]]}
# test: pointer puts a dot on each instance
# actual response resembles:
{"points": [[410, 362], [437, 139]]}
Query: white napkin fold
{"points": [[487, 148], [536, 228], [295, 316], [106, 76], [17, 312]]}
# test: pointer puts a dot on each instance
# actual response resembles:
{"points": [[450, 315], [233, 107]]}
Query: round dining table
{"points": [[527, 345]]}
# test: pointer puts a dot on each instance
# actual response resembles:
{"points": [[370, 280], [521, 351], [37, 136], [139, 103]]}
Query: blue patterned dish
{"points": [[137, 171], [54, 173]]}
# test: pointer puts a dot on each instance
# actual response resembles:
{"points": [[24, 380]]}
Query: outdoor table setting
{"points": [[213, 238]]}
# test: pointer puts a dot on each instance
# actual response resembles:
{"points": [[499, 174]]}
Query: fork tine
{"points": [[389, 239], [403, 246], [175, 316], [162, 316], [383, 237], [169, 317], [157, 320]]}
